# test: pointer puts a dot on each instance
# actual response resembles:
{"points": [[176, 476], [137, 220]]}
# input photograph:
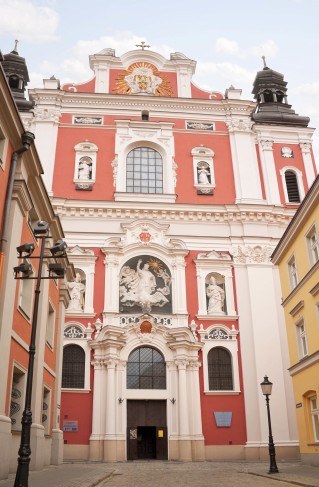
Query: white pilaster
{"points": [[245, 163], [179, 295], [269, 171], [45, 127], [308, 163], [261, 353], [111, 282]]}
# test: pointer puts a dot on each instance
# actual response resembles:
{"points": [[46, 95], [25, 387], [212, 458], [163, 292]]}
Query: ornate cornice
{"points": [[77, 209]]}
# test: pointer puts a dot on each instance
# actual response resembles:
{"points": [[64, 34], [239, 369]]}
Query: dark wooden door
{"points": [[161, 443], [132, 443], [146, 429]]}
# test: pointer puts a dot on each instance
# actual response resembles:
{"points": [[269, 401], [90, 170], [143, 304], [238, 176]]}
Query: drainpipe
{"points": [[27, 141]]}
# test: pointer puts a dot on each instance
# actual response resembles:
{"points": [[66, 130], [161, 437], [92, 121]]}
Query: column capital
{"points": [[305, 147], [182, 364], [98, 364], [266, 144]]}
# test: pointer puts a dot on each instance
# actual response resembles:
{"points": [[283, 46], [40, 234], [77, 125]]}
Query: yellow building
{"points": [[297, 256]]}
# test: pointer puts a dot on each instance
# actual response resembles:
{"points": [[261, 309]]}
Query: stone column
{"points": [[110, 437], [198, 446], [308, 162], [269, 171], [96, 444], [185, 451], [121, 409]]}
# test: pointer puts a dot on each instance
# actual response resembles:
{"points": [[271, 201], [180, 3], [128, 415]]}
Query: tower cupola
{"points": [[270, 91], [16, 72]]}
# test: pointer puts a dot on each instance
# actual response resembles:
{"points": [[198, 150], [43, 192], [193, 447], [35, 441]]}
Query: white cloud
{"points": [[221, 75], [22, 19], [227, 46], [267, 48], [75, 67], [232, 48]]}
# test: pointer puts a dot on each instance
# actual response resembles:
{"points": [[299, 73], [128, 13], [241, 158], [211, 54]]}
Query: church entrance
{"points": [[146, 430]]}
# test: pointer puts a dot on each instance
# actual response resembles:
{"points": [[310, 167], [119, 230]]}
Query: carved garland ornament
{"points": [[252, 255]]}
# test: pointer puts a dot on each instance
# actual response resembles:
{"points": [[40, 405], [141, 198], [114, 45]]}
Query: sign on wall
{"points": [[223, 419], [70, 426]]}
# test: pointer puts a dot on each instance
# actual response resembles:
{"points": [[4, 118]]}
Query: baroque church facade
{"points": [[172, 200]]}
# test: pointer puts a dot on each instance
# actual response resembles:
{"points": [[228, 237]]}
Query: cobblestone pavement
{"points": [[67, 475], [209, 474], [172, 474]]}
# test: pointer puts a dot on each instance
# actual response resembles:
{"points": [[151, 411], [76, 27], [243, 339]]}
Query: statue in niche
{"points": [[216, 297], [203, 173], [77, 289], [85, 169], [139, 287]]}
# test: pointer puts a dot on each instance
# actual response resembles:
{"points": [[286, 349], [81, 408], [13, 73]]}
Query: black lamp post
{"points": [[24, 271], [266, 387]]}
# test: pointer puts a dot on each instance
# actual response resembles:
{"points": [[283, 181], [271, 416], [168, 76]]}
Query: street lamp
{"points": [[266, 387], [24, 271]]}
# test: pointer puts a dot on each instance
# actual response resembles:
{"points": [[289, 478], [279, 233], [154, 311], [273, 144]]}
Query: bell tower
{"points": [[270, 91], [17, 76]]}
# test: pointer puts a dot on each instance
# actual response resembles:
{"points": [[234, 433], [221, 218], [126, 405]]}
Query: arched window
{"points": [[144, 171], [292, 187], [146, 369], [220, 373], [14, 82], [73, 367]]}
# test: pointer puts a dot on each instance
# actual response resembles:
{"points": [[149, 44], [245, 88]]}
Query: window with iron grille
{"points": [[292, 187], [73, 367], [220, 370], [146, 369], [144, 171]]}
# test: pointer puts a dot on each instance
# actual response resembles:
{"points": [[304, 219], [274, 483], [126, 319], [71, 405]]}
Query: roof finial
{"points": [[264, 61], [15, 49], [142, 45]]}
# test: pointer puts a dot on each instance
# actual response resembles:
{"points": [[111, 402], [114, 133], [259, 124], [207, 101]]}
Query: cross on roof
{"points": [[142, 45]]}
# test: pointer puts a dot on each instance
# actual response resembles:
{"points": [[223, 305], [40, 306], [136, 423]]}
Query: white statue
{"points": [[84, 170], [139, 287], [203, 175], [77, 289], [216, 297]]}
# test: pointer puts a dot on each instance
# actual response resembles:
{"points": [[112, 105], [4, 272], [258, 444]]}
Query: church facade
{"points": [[172, 200]]}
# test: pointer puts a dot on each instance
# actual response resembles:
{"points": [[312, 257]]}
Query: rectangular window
{"points": [[292, 269], [3, 147], [26, 296], [313, 245], [17, 398], [50, 325], [302, 339], [314, 417], [46, 410]]}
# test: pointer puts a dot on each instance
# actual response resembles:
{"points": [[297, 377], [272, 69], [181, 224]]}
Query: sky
{"points": [[226, 38]]}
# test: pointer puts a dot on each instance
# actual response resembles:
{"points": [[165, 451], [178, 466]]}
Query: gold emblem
{"points": [[142, 79]]}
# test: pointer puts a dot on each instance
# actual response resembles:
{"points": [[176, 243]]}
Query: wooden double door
{"points": [[146, 430]]}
